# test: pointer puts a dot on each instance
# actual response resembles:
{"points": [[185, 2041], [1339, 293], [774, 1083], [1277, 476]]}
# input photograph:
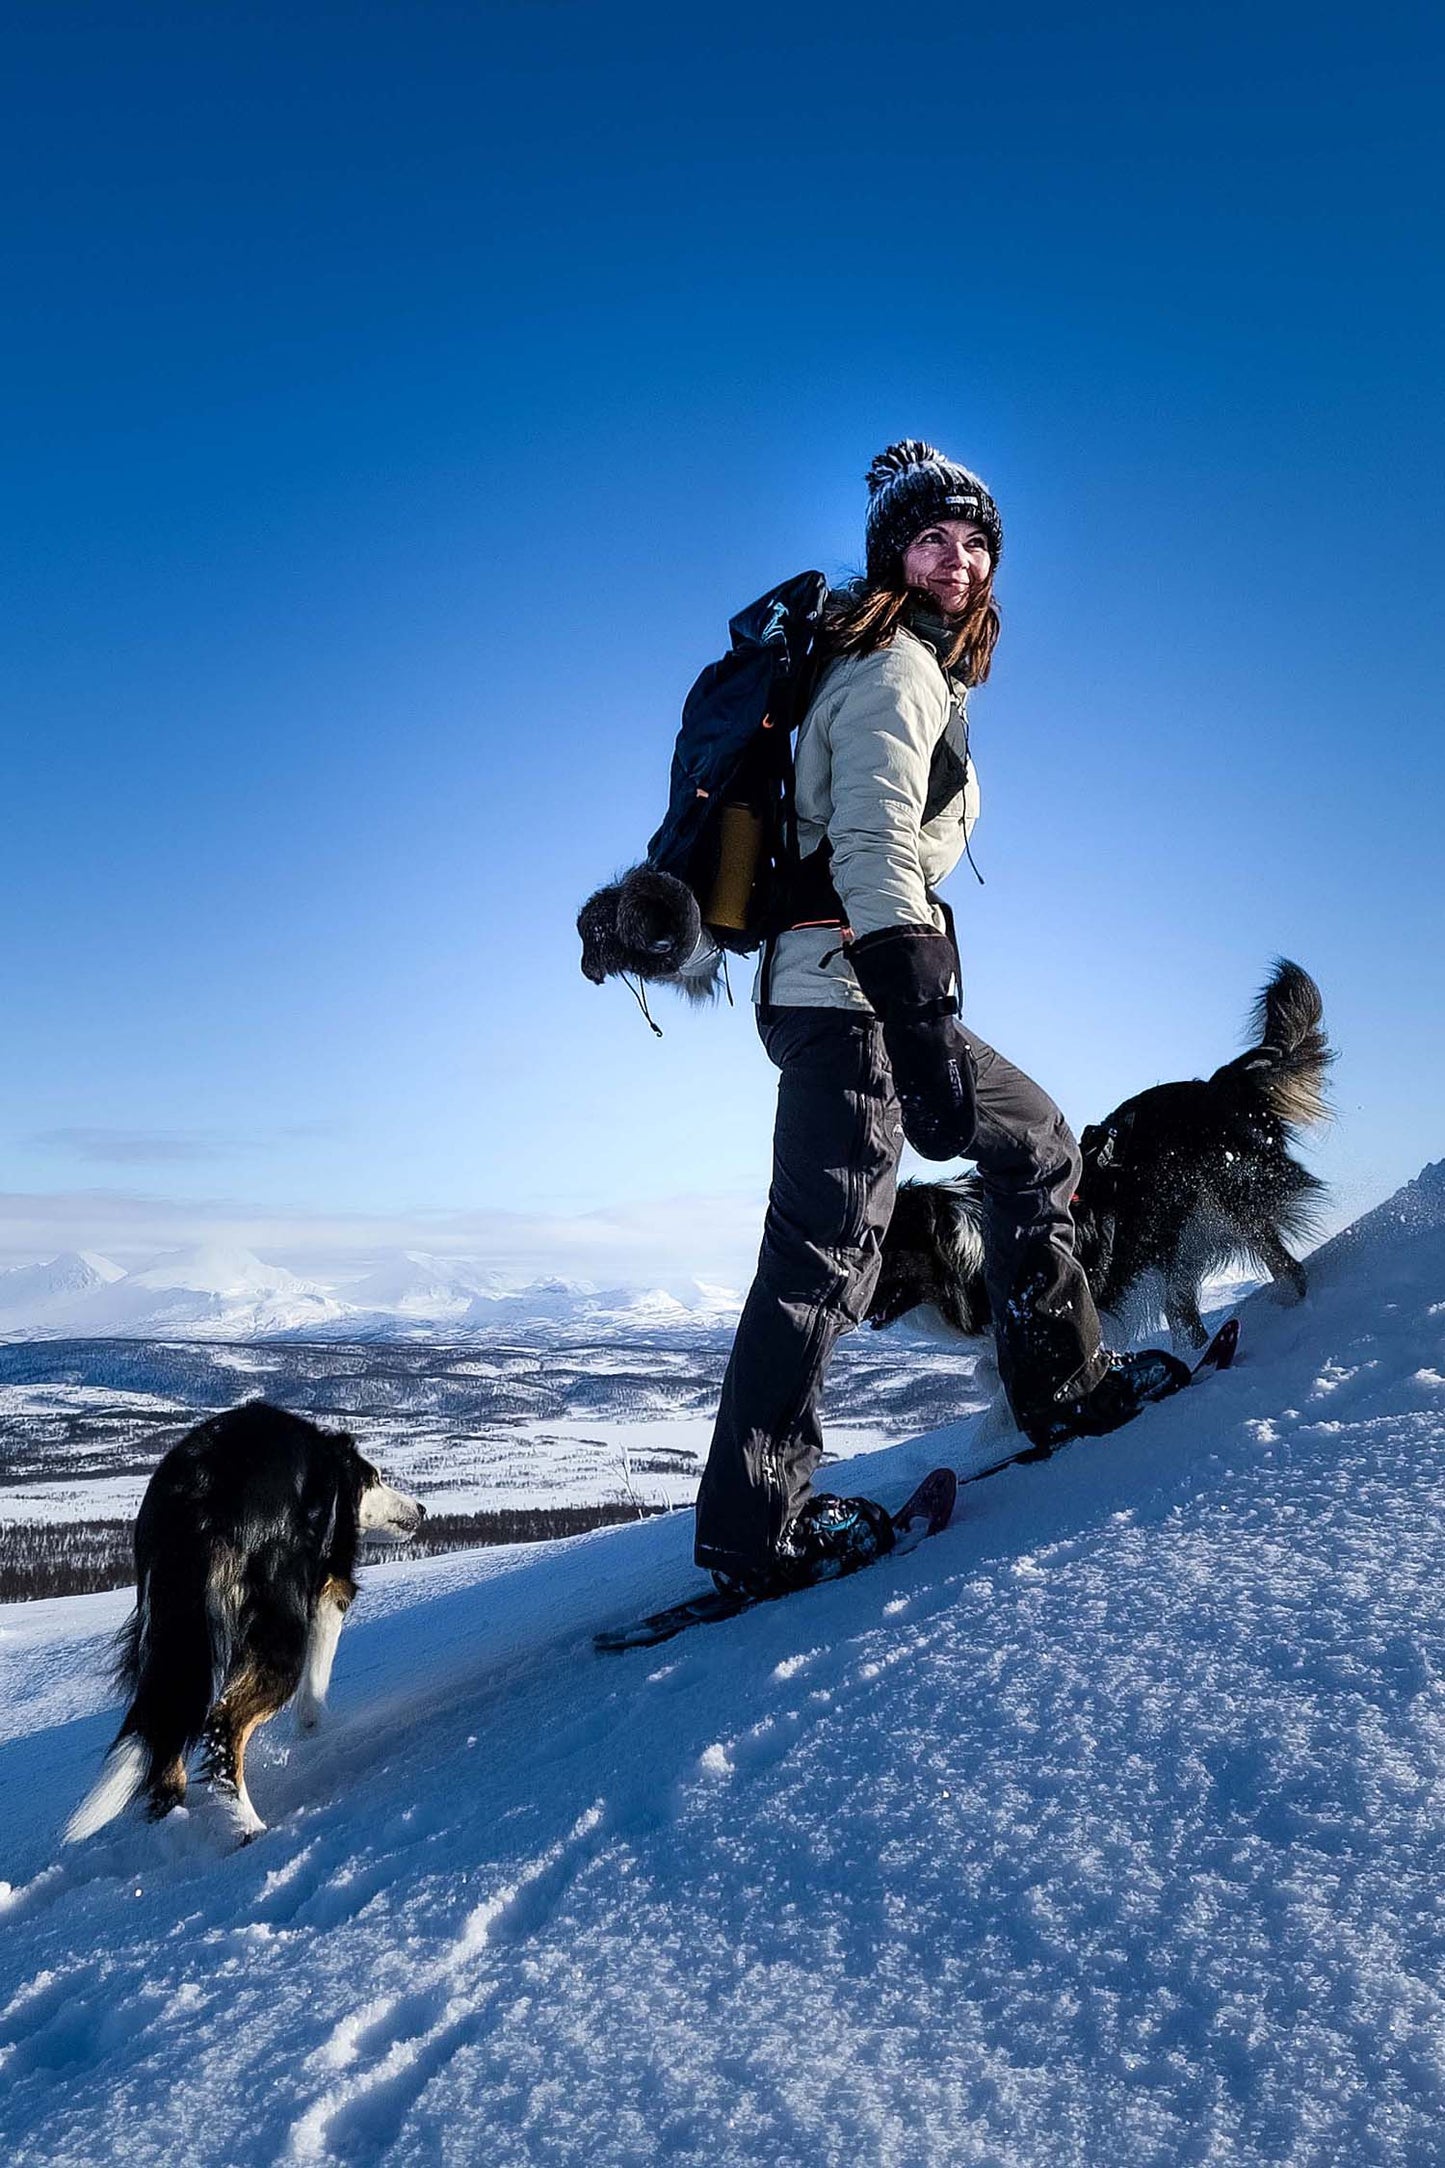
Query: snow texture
{"points": [[1108, 1825]]}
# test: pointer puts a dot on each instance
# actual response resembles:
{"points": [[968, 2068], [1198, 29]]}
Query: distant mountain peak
{"points": [[219, 1269], [27, 1288]]}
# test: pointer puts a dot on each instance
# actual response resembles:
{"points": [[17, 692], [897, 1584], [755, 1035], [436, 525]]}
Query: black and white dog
{"points": [[1176, 1183], [245, 1545]]}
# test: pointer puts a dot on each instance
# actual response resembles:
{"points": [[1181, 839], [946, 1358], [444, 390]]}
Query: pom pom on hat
{"points": [[897, 459], [910, 484]]}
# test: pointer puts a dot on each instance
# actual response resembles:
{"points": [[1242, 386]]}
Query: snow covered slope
{"points": [[30, 1295], [1108, 1826]]}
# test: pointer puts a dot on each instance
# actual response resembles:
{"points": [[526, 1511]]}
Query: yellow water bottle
{"points": [[740, 843]]}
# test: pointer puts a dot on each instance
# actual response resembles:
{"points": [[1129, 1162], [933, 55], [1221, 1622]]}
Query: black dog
{"points": [[244, 1548], [1176, 1183]]}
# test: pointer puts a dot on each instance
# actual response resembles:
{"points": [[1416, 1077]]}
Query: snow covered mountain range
{"points": [[1105, 1826], [230, 1294]]}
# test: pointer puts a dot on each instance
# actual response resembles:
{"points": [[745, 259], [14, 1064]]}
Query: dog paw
{"points": [[233, 1819]]}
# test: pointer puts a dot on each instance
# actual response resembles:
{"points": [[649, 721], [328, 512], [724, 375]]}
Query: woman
{"points": [[857, 1005]]}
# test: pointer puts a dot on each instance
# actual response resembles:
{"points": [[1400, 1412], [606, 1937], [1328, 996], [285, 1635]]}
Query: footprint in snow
{"points": [[391, 2049]]}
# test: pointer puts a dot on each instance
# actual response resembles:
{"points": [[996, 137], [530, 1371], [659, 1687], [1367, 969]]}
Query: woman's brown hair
{"points": [[866, 615]]}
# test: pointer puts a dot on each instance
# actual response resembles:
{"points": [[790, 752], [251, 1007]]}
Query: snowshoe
{"points": [[1130, 1384], [834, 1535], [826, 1538]]}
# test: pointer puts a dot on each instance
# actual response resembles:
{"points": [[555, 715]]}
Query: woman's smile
{"points": [[947, 561]]}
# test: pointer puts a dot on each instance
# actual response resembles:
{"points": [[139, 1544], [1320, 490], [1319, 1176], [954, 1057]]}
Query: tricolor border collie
{"points": [[245, 1545], [1177, 1183]]}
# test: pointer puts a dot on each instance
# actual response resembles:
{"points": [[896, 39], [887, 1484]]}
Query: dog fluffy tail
{"points": [[127, 1765], [1287, 1024], [172, 1664], [122, 1775]]}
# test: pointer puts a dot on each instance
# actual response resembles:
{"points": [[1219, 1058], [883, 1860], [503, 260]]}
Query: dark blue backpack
{"points": [[726, 855], [734, 753]]}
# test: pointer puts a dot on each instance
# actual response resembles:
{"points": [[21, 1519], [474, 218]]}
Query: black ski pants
{"points": [[836, 1146]]}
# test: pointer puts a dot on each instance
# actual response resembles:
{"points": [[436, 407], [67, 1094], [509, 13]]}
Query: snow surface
{"points": [[1110, 1825]]}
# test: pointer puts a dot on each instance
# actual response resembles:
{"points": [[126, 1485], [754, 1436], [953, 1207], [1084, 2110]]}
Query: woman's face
{"points": [[948, 561]]}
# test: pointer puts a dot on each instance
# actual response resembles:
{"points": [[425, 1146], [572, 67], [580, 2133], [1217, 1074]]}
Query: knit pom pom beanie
{"points": [[909, 486]]}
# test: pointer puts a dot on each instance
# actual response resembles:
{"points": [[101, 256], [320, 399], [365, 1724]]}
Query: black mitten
{"points": [[908, 974]]}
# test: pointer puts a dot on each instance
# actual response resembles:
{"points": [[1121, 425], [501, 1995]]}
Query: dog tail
{"points": [[169, 1661], [1287, 1024], [127, 1763], [123, 1773]]}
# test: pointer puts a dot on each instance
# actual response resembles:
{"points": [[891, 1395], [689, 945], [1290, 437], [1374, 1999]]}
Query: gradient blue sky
{"points": [[398, 401]]}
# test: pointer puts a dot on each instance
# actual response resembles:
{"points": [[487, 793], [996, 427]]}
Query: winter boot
{"points": [[1130, 1384], [826, 1538]]}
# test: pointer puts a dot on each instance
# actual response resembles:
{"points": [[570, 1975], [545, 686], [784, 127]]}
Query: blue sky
{"points": [[399, 401]]}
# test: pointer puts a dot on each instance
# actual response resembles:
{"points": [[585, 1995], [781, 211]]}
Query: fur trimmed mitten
{"points": [[909, 975], [648, 923], [597, 925], [658, 922]]}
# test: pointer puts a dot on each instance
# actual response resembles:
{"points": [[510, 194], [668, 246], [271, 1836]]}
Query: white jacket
{"points": [[863, 765]]}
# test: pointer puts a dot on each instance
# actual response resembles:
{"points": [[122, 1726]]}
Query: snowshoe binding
{"points": [[825, 1539], [1130, 1384]]}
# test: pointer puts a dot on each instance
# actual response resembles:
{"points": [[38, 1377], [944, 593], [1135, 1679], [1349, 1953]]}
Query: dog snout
{"points": [[389, 1515]]}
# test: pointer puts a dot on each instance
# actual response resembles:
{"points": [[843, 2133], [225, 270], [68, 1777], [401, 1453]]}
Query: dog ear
{"points": [[322, 1505]]}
